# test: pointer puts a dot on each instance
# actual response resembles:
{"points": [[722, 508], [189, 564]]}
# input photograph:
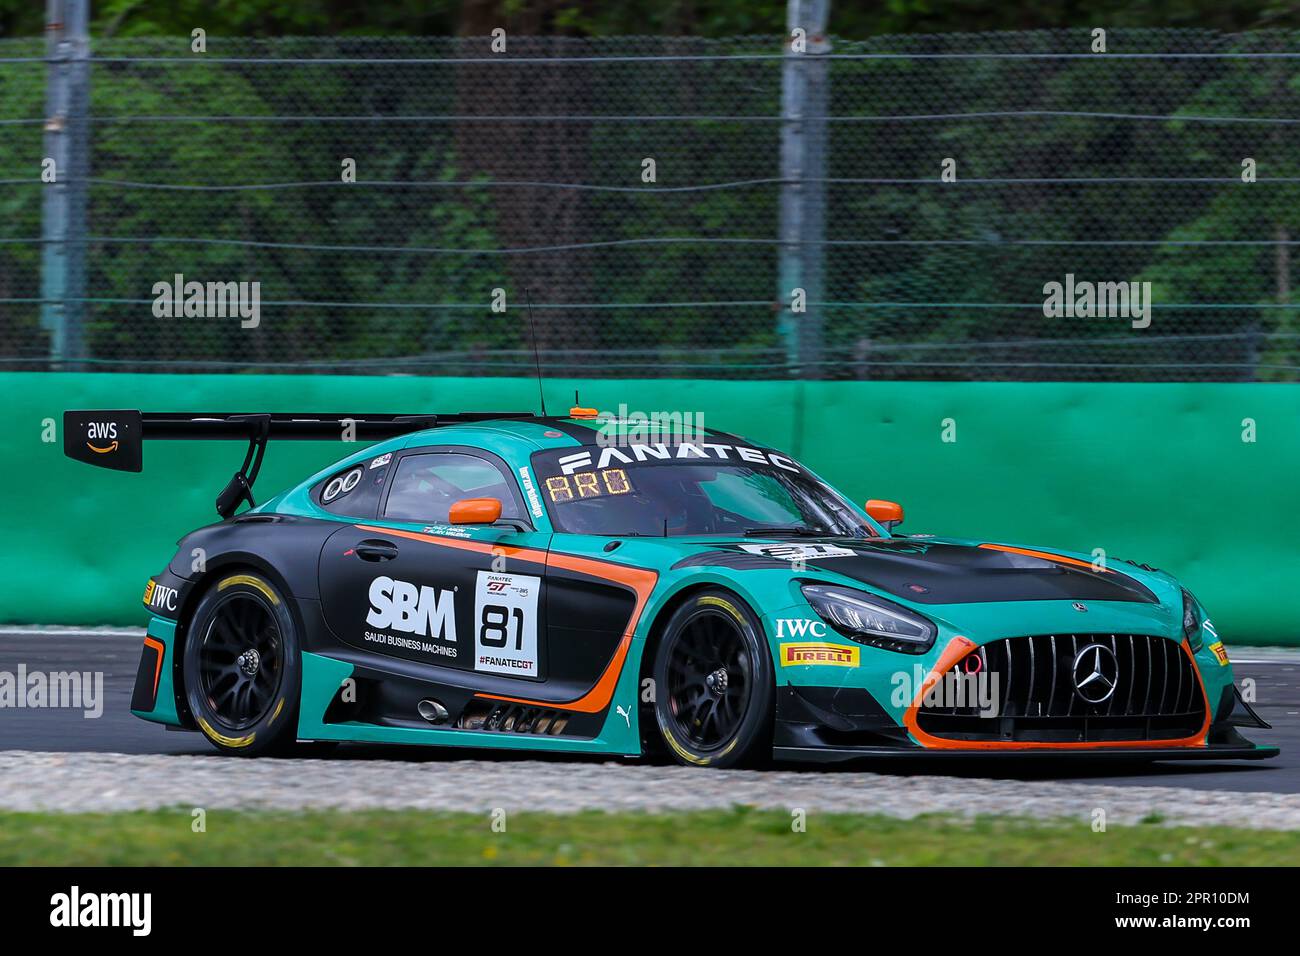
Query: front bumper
{"points": [[836, 724]]}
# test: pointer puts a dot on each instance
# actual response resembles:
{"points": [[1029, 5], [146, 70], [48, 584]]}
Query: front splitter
{"points": [[843, 754]]}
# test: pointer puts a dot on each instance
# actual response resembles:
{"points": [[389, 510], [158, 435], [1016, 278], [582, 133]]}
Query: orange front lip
{"points": [[959, 647], [157, 667]]}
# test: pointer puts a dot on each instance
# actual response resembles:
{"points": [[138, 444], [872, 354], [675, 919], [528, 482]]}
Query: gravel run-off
{"points": [[91, 782]]}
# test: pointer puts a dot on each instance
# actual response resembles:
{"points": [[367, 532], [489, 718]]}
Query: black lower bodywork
{"points": [[317, 565], [838, 724]]}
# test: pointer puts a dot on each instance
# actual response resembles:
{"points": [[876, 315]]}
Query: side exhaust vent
{"points": [[513, 718], [432, 711]]}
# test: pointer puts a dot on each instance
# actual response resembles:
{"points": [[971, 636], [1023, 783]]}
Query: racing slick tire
{"points": [[714, 683], [241, 667]]}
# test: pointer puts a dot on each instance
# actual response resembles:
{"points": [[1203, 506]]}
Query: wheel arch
{"points": [[214, 571], [650, 743], [683, 593]]}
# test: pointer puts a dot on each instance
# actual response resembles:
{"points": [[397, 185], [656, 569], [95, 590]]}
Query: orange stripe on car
{"points": [[639, 580], [959, 647], [1047, 556], [157, 667]]}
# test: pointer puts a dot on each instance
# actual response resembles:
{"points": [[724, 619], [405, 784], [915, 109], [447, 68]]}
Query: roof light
{"points": [[577, 411]]}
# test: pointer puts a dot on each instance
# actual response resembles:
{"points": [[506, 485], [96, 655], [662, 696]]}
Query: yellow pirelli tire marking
{"points": [[222, 739], [725, 605], [278, 707], [690, 757], [255, 583]]}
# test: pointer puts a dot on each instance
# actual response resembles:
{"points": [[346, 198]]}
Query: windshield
{"points": [[689, 489]]}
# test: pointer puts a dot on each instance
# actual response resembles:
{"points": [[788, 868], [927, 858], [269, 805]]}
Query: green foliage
{"points": [[919, 301], [711, 18]]}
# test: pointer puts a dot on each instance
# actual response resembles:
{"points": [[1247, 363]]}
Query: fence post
{"points": [[804, 96], [63, 206]]}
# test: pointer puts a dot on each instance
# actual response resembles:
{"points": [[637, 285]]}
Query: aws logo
{"points": [[401, 606], [103, 433]]}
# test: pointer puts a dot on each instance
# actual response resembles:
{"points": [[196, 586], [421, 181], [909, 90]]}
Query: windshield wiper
{"points": [[782, 532]]}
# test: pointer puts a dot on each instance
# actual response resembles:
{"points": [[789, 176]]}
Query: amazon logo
{"points": [[101, 437]]}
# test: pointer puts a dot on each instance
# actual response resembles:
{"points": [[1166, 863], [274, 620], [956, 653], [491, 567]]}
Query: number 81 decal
{"points": [[505, 624]]}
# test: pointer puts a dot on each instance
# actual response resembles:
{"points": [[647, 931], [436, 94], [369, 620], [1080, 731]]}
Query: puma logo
{"points": [[625, 714]]}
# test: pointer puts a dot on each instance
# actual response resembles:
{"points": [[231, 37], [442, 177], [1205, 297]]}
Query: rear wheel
{"points": [[242, 667], [713, 683]]}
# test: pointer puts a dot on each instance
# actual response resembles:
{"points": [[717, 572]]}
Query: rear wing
{"points": [[115, 439]]}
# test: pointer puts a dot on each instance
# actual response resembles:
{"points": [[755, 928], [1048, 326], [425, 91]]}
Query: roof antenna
{"points": [[537, 358]]}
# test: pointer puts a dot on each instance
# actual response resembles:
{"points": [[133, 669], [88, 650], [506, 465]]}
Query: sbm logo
{"points": [[401, 606]]}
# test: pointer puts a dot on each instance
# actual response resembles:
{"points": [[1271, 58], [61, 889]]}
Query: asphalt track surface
{"points": [[116, 654]]}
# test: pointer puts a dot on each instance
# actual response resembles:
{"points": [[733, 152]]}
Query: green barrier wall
{"points": [[1155, 473]]}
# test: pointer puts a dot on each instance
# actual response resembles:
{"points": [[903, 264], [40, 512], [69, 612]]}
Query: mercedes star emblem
{"points": [[1096, 673]]}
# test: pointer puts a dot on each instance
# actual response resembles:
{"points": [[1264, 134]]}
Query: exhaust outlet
{"points": [[432, 711]]}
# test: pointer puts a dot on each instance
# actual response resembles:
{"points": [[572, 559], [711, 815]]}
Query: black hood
{"points": [[935, 572]]}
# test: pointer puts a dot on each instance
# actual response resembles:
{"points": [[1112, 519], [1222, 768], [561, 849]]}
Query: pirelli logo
{"points": [[1220, 652], [827, 655]]}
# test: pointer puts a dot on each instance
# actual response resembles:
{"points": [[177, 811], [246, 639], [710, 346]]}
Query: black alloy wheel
{"points": [[713, 683]]}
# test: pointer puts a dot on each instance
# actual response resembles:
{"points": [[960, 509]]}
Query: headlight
{"points": [[869, 619], [1192, 621]]}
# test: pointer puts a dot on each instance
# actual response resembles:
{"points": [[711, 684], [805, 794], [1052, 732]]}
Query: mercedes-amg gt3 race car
{"points": [[552, 584]]}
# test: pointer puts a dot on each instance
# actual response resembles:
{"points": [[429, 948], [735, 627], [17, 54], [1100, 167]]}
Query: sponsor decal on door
{"points": [[505, 624], [420, 611]]}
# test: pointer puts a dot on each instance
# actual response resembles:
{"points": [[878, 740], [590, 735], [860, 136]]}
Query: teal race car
{"points": [[590, 585]]}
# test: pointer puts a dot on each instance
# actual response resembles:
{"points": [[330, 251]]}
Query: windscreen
{"points": [[700, 488]]}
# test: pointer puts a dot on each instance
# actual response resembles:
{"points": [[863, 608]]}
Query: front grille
{"points": [[1156, 693]]}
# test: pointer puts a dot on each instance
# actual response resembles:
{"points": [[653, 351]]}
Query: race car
{"points": [[588, 584]]}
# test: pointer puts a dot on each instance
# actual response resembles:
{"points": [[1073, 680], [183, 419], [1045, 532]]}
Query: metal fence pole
{"points": [[63, 208], [804, 96]]}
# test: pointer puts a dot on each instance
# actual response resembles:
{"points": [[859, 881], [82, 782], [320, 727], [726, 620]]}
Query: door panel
{"points": [[437, 599], [586, 619]]}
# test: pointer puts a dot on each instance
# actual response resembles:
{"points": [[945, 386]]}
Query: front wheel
{"points": [[713, 683], [242, 667]]}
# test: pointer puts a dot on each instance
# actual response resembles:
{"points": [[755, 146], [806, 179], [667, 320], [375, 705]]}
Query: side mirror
{"points": [[888, 513], [475, 511]]}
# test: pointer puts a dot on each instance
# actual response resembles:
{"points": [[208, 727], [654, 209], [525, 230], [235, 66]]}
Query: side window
{"points": [[355, 491], [425, 486]]}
